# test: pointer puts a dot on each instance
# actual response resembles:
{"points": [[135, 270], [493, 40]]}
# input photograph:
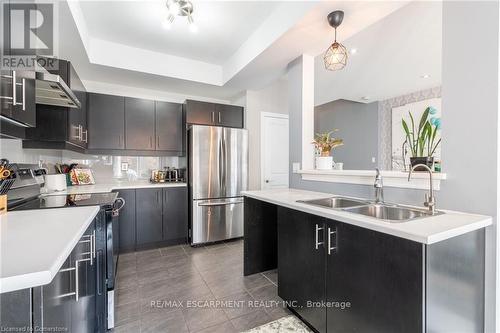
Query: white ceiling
{"points": [[120, 43], [222, 26]]}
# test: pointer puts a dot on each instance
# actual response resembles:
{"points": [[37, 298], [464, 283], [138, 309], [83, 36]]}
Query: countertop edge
{"points": [[376, 226], [40, 278]]}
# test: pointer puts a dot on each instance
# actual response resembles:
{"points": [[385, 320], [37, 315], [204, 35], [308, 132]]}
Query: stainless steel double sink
{"points": [[382, 211]]}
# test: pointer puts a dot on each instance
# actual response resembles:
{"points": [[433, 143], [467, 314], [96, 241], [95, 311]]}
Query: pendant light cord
{"points": [[335, 39]]}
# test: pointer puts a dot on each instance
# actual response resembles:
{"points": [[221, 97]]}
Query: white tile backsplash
{"points": [[104, 167]]}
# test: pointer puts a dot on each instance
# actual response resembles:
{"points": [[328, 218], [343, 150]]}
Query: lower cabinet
{"points": [[70, 299], [343, 278], [68, 303], [175, 207], [153, 217], [148, 216], [301, 264], [127, 221]]}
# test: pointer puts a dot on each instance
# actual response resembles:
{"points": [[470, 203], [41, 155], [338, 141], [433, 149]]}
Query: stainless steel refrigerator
{"points": [[218, 172]]}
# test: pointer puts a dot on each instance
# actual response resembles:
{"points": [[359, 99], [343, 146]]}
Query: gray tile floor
{"points": [[184, 289]]}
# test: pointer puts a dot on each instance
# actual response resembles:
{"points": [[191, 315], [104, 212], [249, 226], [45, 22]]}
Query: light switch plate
{"points": [[295, 167], [124, 166]]}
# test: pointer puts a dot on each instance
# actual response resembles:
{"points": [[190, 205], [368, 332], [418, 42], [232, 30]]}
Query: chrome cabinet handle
{"points": [[75, 269], [24, 94], [158, 141], [93, 244], [317, 242], [150, 141], [86, 140], [213, 117], [330, 247], [14, 86], [92, 247], [220, 118], [80, 132]]}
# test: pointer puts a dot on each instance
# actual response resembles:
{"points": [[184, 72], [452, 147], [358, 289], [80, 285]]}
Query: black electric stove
{"points": [[71, 200]]}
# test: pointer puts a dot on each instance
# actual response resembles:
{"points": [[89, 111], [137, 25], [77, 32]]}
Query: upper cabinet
{"points": [[204, 113], [229, 115], [134, 126], [106, 118], [139, 124], [17, 87], [169, 126]]}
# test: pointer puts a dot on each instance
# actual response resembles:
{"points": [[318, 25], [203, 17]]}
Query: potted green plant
{"points": [[421, 140], [324, 143]]}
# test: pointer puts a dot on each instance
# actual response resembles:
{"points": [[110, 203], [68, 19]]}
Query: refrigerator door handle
{"points": [[220, 203], [220, 162], [223, 165]]}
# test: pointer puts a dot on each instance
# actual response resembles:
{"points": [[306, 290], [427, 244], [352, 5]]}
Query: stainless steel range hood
{"points": [[52, 90]]}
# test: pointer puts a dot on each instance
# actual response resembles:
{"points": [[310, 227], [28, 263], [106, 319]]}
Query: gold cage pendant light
{"points": [[336, 55]]}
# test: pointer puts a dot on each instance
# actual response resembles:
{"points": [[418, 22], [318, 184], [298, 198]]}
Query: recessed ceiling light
{"points": [[425, 76], [353, 51]]}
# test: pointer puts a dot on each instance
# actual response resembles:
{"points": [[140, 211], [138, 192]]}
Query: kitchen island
{"points": [[35, 243], [341, 271], [49, 276]]}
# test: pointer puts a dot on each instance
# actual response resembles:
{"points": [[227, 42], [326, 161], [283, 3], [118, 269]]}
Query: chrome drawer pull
{"points": [[330, 247], [317, 242]]}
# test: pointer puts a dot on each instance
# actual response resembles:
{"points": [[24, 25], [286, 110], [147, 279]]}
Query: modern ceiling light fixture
{"points": [[179, 8], [336, 55]]}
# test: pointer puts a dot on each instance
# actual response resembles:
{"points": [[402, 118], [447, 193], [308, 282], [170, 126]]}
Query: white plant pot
{"points": [[324, 163]]}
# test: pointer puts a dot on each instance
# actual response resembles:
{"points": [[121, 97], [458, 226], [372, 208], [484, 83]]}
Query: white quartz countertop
{"points": [[114, 186], [426, 230], [35, 243]]}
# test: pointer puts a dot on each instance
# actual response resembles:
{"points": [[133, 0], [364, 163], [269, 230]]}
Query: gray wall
{"points": [[358, 127], [470, 112]]}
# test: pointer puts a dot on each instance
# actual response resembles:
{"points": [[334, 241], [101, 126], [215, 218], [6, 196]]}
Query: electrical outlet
{"points": [[373, 160], [295, 167], [124, 166]]}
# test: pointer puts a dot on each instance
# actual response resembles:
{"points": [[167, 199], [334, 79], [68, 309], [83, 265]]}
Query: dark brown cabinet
{"points": [[139, 124], [106, 119], [67, 303], [17, 87], [302, 266], [127, 221], [175, 207], [375, 272], [17, 91], [229, 115], [335, 272], [153, 217], [148, 216], [204, 113], [169, 126], [201, 113], [125, 125]]}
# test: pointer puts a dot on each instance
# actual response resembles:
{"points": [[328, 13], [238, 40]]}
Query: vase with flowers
{"points": [[422, 141], [324, 143]]}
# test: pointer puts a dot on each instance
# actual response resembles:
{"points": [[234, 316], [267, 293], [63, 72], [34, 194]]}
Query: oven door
{"points": [[111, 254]]}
